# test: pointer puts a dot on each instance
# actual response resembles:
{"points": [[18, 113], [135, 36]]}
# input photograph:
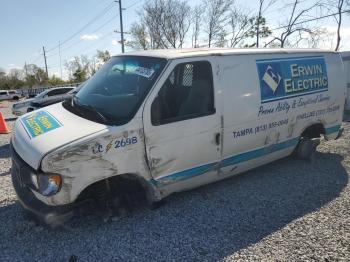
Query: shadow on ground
{"points": [[208, 223]]}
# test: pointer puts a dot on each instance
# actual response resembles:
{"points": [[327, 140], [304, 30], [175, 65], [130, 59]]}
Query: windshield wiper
{"points": [[90, 109]]}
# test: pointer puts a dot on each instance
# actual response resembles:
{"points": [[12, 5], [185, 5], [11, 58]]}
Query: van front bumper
{"points": [[21, 180]]}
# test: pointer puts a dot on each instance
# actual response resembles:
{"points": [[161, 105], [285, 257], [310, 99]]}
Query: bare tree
{"points": [[151, 17], [336, 8], [338, 19], [216, 17], [196, 21], [239, 27], [167, 22], [294, 23]]}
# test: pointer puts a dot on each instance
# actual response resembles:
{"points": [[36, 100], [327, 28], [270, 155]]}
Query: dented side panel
{"points": [[183, 154], [120, 151]]}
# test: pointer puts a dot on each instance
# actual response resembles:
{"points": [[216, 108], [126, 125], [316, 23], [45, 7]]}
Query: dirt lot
{"points": [[289, 210]]}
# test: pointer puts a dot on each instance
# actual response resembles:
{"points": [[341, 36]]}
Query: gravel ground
{"points": [[289, 210]]}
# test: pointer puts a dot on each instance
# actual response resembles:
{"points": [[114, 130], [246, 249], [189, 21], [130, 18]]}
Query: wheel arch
{"points": [[128, 180], [314, 130]]}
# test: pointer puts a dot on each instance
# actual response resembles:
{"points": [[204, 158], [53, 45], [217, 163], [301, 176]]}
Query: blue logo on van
{"points": [[291, 77], [39, 123]]}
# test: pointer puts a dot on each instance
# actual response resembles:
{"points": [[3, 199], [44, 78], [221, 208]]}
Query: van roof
{"points": [[193, 52]]}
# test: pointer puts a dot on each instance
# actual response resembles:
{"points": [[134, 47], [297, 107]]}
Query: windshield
{"points": [[40, 95], [76, 89], [115, 92]]}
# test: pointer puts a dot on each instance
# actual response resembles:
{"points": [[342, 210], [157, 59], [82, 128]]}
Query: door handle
{"points": [[217, 138]]}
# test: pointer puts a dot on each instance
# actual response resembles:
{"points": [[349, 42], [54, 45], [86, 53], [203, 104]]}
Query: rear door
{"points": [[182, 125]]}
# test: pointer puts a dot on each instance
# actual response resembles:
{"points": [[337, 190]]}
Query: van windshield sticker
{"points": [[39, 123], [291, 77], [143, 71]]}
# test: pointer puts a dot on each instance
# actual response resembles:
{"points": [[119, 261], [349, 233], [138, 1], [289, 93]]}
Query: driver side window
{"points": [[187, 93]]}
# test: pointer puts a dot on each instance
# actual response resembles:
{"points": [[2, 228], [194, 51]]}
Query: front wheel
{"points": [[306, 148]]}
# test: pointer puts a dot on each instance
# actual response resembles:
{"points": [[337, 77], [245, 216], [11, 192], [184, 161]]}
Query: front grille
{"points": [[21, 169]]}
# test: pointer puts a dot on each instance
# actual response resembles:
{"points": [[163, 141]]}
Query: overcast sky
{"points": [[27, 26]]}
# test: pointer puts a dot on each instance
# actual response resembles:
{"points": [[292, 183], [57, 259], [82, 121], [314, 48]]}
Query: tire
{"points": [[306, 148], [16, 98]]}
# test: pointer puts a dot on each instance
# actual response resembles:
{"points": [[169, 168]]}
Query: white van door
{"points": [[182, 125]]}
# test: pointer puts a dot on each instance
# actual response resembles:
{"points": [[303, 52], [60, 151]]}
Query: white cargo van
{"points": [[163, 121]]}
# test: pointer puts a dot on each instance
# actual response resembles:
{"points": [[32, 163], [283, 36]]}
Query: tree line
{"points": [[79, 69], [222, 23], [210, 23]]}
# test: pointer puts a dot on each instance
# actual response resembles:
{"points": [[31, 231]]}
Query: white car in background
{"points": [[21, 107], [9, 95]]}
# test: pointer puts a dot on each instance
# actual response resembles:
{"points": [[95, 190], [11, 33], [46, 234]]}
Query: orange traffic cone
{"points": [[3, 127]]}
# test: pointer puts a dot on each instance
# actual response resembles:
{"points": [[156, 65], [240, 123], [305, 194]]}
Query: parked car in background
{"points": [[9, 95], [46, 101], [21, 108]]}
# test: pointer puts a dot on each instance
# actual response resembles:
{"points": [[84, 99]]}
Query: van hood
{"points": [[42, 131]]}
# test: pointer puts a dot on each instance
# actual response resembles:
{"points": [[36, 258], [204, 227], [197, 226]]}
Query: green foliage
{"points": [[103, 56], [140, 37], [258, 25], [78, 68], [36, 76], [54, 81], [12, 80]]}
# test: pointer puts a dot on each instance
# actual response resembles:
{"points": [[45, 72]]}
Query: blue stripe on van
{"points": [[332, 129], [259, 152], [236, 159], [188, 173], [196, 171]]}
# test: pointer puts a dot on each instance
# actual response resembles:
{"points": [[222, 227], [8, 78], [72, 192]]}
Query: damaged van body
{"points": [[165, 121]]}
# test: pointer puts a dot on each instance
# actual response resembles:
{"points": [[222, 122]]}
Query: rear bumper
{"points": [[21, 180]]}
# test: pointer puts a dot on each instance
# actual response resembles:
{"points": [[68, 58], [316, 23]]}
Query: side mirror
{"points": [[156, 111]]}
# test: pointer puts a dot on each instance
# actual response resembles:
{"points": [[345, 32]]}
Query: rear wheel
{"points": [[306, 148]]}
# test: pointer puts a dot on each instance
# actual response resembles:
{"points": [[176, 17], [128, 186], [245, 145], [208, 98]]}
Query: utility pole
{"points": [[59, 52], [47, 74], [121, 23]]}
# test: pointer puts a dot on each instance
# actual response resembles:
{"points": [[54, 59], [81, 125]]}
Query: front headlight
{"points": [[48, 184]]}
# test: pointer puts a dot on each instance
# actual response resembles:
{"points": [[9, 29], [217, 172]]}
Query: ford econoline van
{"points": [[157, 122]]}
